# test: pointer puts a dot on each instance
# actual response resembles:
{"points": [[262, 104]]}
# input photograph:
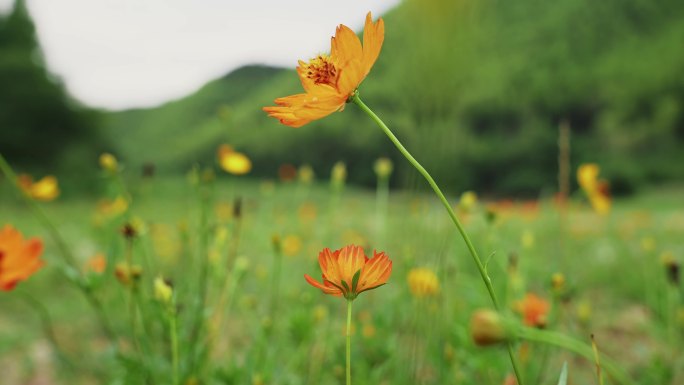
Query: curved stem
{"points": [[573, 345], [349, 317], [478, 262]]}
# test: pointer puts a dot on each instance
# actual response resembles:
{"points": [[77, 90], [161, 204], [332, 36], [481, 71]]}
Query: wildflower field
{"points": [[364, 263], [602, 276]]}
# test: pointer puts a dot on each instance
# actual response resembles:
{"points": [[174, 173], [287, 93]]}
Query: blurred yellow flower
{"points": [[113, 208], [233, 162], [320, 313], [108, 162], [291, 245], [45, 189], [468, 201], [587, 176], [648, 244], [338, 175], [597, 190], [126, 274], [527, 239], [383, 167], [423, 282], [162, 290], [306, 174], [307, 212]]}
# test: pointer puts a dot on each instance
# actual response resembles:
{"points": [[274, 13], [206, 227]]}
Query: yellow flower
{"points": [[292, 245], [423, 282], [108, 162], [162, 290], [233, 162], [329, 80], [338, 175], [45, 189], [468, 201], [306, 174], [383, 167], [587, 175], [597, 190]]}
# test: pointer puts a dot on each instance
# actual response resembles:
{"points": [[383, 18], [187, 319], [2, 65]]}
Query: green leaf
{"points": [[563, 380], [355, 280]]}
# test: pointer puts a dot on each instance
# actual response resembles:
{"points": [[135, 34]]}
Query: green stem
{"points": [[173, 332], [478, 262], [65, 253], [578, 347], [349, 318]]}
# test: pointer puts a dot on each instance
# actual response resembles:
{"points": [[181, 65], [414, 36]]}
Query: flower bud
{"points": [[487, 328], [383, 167], [163, 291], [108, 162]]}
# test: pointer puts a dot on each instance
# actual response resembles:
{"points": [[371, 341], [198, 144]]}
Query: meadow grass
{"points": [[265, 325]]}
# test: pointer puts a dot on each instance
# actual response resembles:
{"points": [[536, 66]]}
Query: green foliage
{"points": [[476, 90], [41, 129]]}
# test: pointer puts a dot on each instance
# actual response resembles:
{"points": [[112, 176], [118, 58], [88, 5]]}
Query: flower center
{"points": [[322, 70]]}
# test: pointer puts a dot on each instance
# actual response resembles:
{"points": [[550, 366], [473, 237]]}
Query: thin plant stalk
{"points": [[173, 334], [576, 346], [48, 327], [349, 318], [65, 252], [478, 262]]}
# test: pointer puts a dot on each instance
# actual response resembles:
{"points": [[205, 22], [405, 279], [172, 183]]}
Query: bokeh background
{"points": [[476, 89]]}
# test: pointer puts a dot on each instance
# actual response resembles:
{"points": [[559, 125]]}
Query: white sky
{"points": [[134, 53]]}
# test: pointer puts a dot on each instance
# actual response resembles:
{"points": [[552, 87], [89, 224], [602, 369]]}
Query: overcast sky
{"points": [[134, 53]]}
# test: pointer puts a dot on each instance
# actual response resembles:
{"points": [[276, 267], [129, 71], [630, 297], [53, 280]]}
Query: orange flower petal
{"points": [[326, 289], [345, 46], [18, 259], [373, 37]]}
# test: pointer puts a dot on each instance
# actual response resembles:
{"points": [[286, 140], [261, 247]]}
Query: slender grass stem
{"points": [[65, 253], [173, 333], [478, 262], [349, 318]]}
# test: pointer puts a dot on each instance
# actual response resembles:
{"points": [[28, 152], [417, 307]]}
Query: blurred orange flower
{"points": [[534, 310], [233, 162], [19, 259], [348, 271], [45, 189], [329, 80], [97, 263]]}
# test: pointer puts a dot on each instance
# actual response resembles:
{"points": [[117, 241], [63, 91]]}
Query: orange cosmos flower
{"points": [[534, 310], [329, 80], [45, 189], [348, 271], [19, 259]]}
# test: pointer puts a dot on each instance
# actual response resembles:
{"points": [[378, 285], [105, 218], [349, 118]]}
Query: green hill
{"points": [[475, 89]]}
